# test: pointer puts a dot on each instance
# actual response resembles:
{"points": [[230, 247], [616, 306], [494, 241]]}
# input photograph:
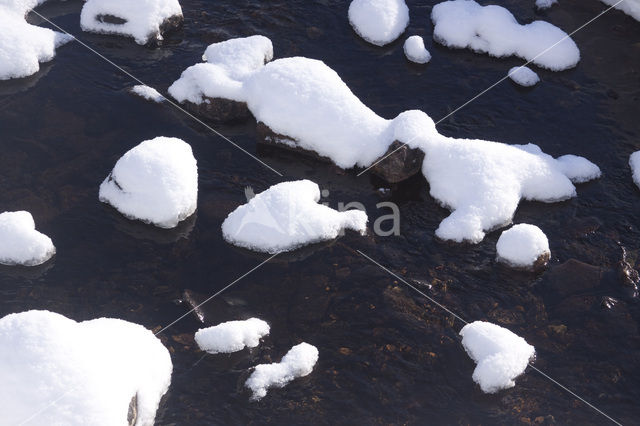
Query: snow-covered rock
{"points": [[545, 4], [523, 246], [287, 216], [379, 21], [493, 29], [20, 243], [524, 76], [630, 7], [144, 20], [155, 182], [232, 336], [24, 46], [415, 51], [149, 93], [58, 371], [500, 355], [634, 162], [298, 362]]}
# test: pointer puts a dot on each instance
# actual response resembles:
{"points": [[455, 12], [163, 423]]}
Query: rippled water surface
{"points": [[387, 355]]}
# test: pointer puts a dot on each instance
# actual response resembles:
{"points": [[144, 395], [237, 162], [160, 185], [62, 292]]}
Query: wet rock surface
{"points": [[399, 163], [218, 110]]}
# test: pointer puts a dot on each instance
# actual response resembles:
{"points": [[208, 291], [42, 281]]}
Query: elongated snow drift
{"points": [[287, 216], [86, 373], [20, 243], [231, 336], [155, 182]]}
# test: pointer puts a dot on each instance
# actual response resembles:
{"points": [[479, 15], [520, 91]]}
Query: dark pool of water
{"points": [[387, 355]]}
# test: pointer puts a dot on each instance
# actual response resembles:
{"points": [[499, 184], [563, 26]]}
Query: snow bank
{"points": [[630, 7], [298, 362], [149, 93], [523, 76], [20, 243], [155, 182], [232, 336], [24, 46], [379, 21], [415, 51], [140, 19], [493, 30], [500, 355], [79, 373], [634, 162], [545, 4], [287, 216], [522, 245]]}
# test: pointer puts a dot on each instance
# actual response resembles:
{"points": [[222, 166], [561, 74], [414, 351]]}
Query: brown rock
{"points": [[218, 110], [401, 165]]}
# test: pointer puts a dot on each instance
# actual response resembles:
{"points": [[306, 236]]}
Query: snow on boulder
{"points": [[523, 246], [287, 216], [500, 355], [144, 20], [415, 51], [493, 29], [148, 93], [634, 162], [20, 243], [232, 336], [240, 56], [298, 362], [630, 7], [379, 21], [578, 169], [58, 371], [24, 46], [523, 76], [545, 4], [155, 182]]}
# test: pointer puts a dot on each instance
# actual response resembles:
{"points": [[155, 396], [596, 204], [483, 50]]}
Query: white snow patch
{"points": [[524, 76], [155, 182], [630, 7], [578, 169], [143, 17], [493, 29], [240, 56], [79, 373], [415, 51], [545, 4], [298, 362], [149, 93], [287, 216], [379, 21], [232, 336], [20, 243], [500, 355], [24, 46], [634, 162], [522, 245]]}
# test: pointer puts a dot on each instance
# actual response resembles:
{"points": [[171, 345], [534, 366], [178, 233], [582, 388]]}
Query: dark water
{"points": [[387, 355]]}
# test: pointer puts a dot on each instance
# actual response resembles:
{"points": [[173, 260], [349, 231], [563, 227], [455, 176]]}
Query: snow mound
{"points": [[500, 355], [298, 362], [20, 243], [232, 336], [155, 182], [630, 7], [140, 19], [523, 76], [79, 373], [545, 4], [493, 30], [379, 21], [24, 46], [149, 93], [415, 51], [578, 169], [634, 162], [287, 216], [522, 245], [228, 64]]}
